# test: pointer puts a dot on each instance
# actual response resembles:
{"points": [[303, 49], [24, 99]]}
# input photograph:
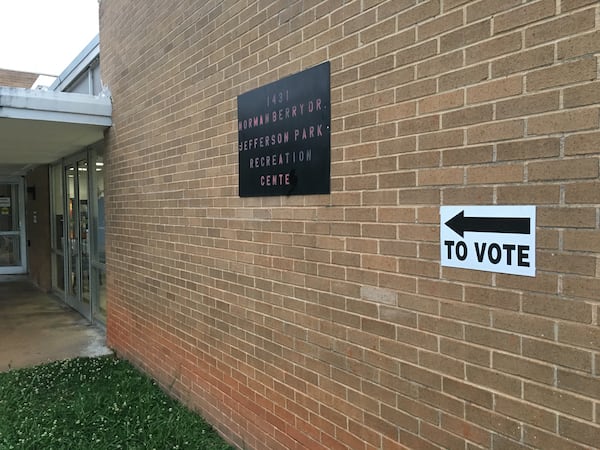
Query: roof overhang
{"points": [[40, 127]]}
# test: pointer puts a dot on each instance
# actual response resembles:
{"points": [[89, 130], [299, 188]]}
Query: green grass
{"points": [[95, 403]]}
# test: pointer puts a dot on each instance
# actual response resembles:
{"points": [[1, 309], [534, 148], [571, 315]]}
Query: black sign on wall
{"points": [[284, 136]]}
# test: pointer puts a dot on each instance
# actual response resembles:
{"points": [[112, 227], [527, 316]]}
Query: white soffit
{"points": [[40, 127]]}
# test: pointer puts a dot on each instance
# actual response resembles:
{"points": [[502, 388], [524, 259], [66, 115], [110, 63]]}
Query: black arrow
{"points": [[516, 225]]}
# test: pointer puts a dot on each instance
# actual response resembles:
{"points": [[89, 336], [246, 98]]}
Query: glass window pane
{"points": [[58, 205], [10, 250], [58, 272], [99, 286], [9, 207]]}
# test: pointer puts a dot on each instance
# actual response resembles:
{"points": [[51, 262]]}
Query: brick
{"points": [[485, 8], [415, 90], [419, 125], [524, 15], [441, 326], [418, 160], [493, 298], [466, 312], [496, 131], [381, 131], [418, 196], [451, 4], [397, 112], [465, 352], [567, 217], [463, 77], [493, 380], [395, 180], [523, 61], [541, 439], [440, 64], [571, 5], [557, 354], [391, 8], [360, 120], [495, 174], [528, 195], [571, 310], [582, 240], [417, 409], [359, 22], [434, 177], [493, 421], [499, 441], [441, 437], [419, 13], [559, 28], [464, 36], [442, 401], [528, 105], [441, 102], [526, 412], [469, 195], [468, 155], [528, 149], [405, 421], [416, 53], [441, 364], [582, 384], [395, 146], [543, 282], [523, 367], [579, 46], [442, 289], [395, 41], [582, 95], [467, 116], [376, 66], [564, 169], [493, 48], [578, 335], [579, 431], [572, 120], [581, 144], [492, 338], [566, 264], [580, 193], [394, 78], [442, 139], [439, 25], [468, 431], [563, 74], [413, 441], [496, 89], [377, 100], [467, 392], [559, 401], [582, 287]]}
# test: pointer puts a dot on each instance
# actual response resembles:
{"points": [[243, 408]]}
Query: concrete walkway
{"points": [[37, 328]]}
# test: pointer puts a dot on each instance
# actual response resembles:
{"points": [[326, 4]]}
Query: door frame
{"points": [[76, 301], [22, 232]]}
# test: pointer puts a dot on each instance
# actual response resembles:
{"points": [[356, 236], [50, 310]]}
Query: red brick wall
{"points": [[13, 78], [327, 321]]}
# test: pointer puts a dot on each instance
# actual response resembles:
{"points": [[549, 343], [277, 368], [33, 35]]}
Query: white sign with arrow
{"points": [[489, 238]]}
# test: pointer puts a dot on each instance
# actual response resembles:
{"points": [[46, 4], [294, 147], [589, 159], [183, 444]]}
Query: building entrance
{"points": [[78, 261], [12, 227], [77, 220]]}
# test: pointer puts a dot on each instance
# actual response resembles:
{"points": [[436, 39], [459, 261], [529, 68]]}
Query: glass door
{"points": [[12, 227], [77, 248]]}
